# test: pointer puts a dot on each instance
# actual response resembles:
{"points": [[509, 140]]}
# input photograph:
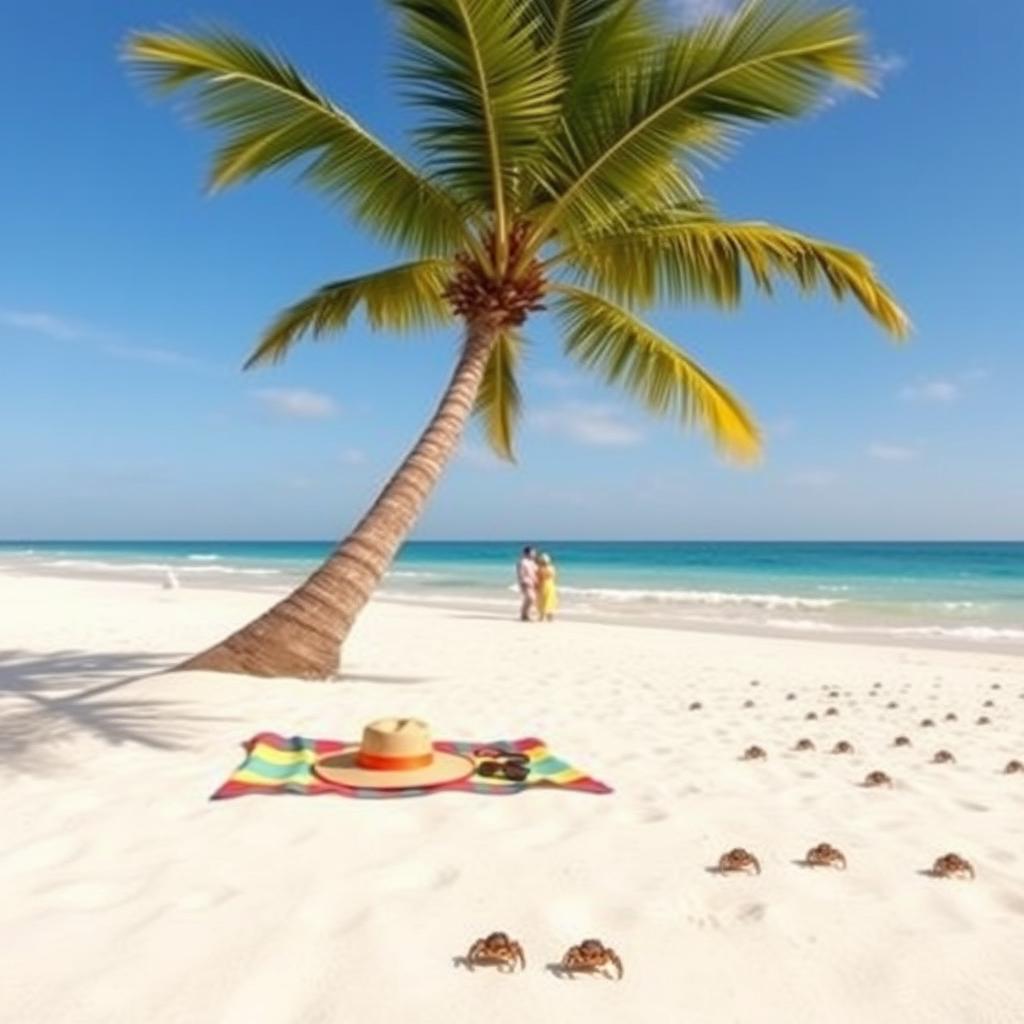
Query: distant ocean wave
{"points": [[116, 567], [975, 633], [203, 558], [699, 597]]}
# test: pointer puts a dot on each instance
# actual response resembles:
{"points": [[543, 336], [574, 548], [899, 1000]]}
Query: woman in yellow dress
{"points": [[547, 592]]}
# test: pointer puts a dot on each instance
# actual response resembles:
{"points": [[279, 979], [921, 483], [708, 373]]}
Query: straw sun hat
{"points": [[395, 753]]}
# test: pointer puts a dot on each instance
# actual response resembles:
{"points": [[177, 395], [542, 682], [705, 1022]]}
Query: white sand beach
{"points": [[128, 896]]}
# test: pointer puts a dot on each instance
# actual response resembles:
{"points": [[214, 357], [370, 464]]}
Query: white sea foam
{"points": [[700, 597], [203, 558], [161, 567]]}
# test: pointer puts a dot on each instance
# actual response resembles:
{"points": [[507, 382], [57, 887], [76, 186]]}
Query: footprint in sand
{"points": [[751, 913]]}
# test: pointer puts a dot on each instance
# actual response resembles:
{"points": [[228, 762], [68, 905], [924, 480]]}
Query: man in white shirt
{"points": [[526, 574]]}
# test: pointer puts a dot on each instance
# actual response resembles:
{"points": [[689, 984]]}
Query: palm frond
{"points": [[499, 401], [693, 256], [476, 69], [608, 339], [400, 298], [592, 41], [268, 115], [772, 59]]}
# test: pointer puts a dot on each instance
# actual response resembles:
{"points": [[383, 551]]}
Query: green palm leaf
{"points": [[499, 401], [593, 40], [475, 67], [400, 298], [693, 256], [269, 115], [768, 61], [608, 339]]}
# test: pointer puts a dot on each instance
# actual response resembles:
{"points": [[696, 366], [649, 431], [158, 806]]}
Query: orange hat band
{"points": [[381, 762]]}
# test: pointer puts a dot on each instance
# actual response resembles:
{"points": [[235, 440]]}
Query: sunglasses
{"points": [[502, 764]]}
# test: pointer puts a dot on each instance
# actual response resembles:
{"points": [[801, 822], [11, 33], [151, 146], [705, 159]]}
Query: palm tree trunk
{"points": [[302, 634]]}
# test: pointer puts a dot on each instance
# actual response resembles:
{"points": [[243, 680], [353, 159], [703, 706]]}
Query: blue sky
{"points": [[128, 300]]}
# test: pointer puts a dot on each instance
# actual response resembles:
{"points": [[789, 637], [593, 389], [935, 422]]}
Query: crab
{"points": [[892, 704], [984, 720], [754, 754], [790, 696], [996, 686], [1014, 767], [951, 717], [591, 955], [811, 716], [738, 860], [754, 682], [927, 723], [833, 694], [748, 703], [696, 706], [876, 778], [496, 950], [901, 741], [952, 865], [825, 856], [804, 745], [989, 704], [943, 757], [829, 712], [843, 747]]}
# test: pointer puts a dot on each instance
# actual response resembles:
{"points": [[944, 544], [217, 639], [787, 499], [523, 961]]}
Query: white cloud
{"points": [[51, 326], [891, 452], [59, 328], [935, 390], [296, 403], [587, 422]]}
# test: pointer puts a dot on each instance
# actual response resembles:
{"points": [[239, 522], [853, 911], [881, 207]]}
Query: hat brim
{"points": [[342, 769]]}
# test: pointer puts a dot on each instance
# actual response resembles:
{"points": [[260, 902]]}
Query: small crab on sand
{"points": [[843, 747], [892, 704], [927, 723], [591, 955], [804, 745], [748, 703], [825, 856], [754, 753], [901, 741], [951, 716], [811, 716], [831, 712], [876, 778], [1014, 767], [943, 757], [952, 865], [496, 950], [696, 706], [984, 720], [738, 860]]}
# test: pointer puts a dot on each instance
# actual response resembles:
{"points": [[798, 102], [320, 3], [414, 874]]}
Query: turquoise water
{"points": [[965, 591]]}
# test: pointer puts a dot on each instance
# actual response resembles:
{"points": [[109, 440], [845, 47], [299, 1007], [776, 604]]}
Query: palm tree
{"points": [[559, 146]]}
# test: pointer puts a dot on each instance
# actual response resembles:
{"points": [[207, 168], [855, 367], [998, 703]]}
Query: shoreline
{"points": [[495, 609]]}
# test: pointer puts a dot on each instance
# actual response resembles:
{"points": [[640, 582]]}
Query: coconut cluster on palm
{"points": [[557, 155]]}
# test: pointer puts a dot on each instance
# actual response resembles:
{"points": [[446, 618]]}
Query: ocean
{"points": [[965, 593]]}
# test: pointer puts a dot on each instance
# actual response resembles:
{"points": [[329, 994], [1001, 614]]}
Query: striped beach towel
{"points": [[282, 764]]}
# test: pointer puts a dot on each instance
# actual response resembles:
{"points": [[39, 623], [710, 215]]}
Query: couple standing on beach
{"points": [[536, 575]]}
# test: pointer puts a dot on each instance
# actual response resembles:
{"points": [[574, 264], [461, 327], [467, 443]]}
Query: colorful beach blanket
{"points": [[282, 764]]}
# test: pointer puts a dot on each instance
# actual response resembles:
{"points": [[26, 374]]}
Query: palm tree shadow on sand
{"points": [[48, 700]]}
